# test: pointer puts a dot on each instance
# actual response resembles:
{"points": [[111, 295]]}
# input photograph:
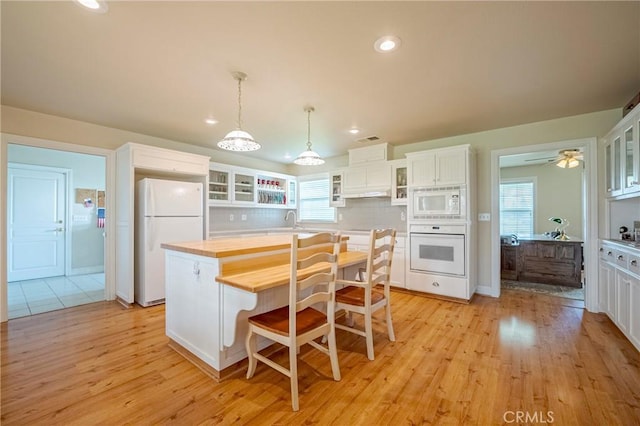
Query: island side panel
{"points": [[193, 309]]}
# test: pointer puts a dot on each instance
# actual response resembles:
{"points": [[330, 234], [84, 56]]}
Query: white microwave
{"points": [[438, 202]]}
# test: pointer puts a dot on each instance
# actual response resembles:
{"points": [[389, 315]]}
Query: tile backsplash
{"points": [[359, 213]]}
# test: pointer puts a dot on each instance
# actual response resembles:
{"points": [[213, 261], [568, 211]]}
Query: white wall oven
{"points": [[438, 203], [438, 249]]}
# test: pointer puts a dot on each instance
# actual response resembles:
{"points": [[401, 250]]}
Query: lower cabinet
{"points": [[619, 289], [360, 242]]}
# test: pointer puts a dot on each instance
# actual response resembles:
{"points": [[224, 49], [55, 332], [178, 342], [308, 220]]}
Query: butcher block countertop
{"points": [[234, 246]]}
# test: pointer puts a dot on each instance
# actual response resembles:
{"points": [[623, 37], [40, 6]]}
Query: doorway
{"points": [[57, 247], [588, 217]]}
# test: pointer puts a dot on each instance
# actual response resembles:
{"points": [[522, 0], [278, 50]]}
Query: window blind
{"points": [[516, 208], [314, 201]]}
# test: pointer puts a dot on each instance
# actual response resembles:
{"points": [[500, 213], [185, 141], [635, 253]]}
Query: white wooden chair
{"points": [[363, 297], [301, 322]]}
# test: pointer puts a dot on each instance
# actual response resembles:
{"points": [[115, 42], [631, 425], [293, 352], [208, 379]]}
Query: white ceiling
{"points": [[160, 68]]}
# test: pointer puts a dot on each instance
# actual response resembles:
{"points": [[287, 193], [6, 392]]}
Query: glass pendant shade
{"points": [[562, 163], [239, 140], [573, 163], [309, 157]]}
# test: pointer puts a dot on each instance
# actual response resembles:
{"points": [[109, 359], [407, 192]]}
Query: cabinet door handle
{"points": [[609, 253], [634, 262], [435, 284], [620, 257], [601, 249]]}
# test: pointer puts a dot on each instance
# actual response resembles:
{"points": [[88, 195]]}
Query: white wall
{"points": [[558, 193], [88, 171]]}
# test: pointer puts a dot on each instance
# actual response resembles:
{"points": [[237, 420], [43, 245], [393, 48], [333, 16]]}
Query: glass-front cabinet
{"points": [[293, 194], [232, 186], [336, 184], [399, 182], [219, 186], [631, 181], [622, 158], [244, 188]]}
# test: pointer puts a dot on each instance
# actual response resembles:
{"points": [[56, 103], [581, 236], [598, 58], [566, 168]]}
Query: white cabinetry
{"points": [[369, 178], [239, 186], [373, 153], [336, 182], [134, 162], [619, 287], [622, 157], [360, 242], [438, 167], [399, 182]]}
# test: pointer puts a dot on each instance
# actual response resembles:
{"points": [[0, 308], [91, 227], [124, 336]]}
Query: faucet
{"points": [[295, 217]]}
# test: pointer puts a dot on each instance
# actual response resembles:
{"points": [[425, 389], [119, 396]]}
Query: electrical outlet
{"points": [[403, 216], [339, 217], [484, 217], [231, 218], [243, 217]]}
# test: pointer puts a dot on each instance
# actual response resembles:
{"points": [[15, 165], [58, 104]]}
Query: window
{"points": [[314, 199], [517, 199]]}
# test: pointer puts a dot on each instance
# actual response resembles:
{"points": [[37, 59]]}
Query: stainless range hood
{"points": [[367, 194]]}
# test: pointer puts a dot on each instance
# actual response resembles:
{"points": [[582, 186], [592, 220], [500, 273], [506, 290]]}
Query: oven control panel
{"points": [[437, 229]]}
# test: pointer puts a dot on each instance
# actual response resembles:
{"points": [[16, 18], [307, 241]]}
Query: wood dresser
{"points": [[543, 260]]}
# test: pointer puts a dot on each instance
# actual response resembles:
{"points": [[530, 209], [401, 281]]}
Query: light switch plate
{"points": [[484, 217]]}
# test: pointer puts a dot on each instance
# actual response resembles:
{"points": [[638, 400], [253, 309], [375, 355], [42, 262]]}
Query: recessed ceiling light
{"points": [[387, 44], [210, 121], [94, 5], [354, 131]]}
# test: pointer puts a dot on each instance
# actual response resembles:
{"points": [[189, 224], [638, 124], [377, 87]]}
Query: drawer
{"points": [[438, 284], [621, 258], [607, 254]]}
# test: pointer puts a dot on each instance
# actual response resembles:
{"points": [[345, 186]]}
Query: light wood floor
{"points": [[451, 364]]}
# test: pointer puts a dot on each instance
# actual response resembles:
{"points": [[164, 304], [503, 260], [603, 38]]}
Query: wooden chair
{"points": [[301, 322], [363, 297]]}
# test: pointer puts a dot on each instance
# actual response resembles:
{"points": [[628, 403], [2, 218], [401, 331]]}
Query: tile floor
{"points": [[49, 294]]}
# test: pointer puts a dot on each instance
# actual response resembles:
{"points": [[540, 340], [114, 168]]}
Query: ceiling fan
{"points": [[566, 158]]}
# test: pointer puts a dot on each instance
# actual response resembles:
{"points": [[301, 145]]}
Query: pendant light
{"points": [[309, 157], [239, 140]]}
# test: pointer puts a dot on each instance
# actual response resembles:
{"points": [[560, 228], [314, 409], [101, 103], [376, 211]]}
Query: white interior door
{"points": [[35, 220]]}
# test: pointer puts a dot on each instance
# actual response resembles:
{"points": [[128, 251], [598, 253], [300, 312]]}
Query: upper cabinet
{"points": [[368, 171], [230, 185], [622, 157], [336, 180], [367, 178], [399, 182], [368, 154], [438, 167]]}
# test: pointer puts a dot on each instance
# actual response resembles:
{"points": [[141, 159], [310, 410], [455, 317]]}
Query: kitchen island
{"points": [[542, 259], [213, 286]]}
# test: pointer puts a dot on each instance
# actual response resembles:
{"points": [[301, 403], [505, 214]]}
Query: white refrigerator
{"points": [[166, 211]]}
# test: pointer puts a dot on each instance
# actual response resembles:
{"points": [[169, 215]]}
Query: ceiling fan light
{"points": [[238, 140], [572, 163], [562, 163]]}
